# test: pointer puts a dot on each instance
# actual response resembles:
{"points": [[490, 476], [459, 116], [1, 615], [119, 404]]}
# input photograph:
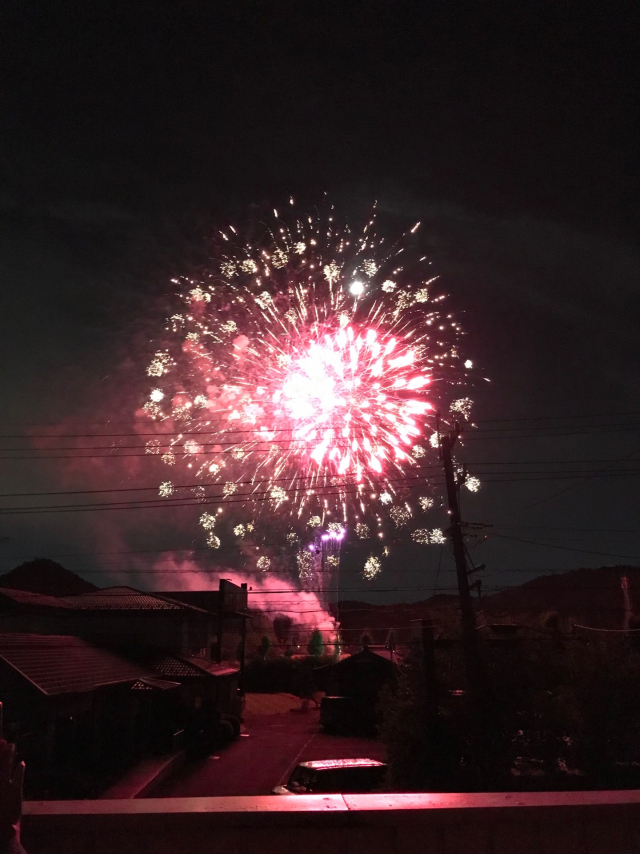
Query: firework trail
{"points": [[299, 379]]}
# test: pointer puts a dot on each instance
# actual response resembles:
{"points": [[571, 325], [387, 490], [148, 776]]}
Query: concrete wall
{"points": [[532, 823]]}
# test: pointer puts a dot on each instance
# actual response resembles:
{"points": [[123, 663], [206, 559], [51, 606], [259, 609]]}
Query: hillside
{"points": [[591, 597], [587, 596], [46, 576]]}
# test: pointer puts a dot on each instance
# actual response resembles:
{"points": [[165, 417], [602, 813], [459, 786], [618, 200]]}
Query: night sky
{"points": [[509, 129]]}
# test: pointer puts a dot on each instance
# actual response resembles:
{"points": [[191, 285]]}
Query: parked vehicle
{"points": [[340, 776]]}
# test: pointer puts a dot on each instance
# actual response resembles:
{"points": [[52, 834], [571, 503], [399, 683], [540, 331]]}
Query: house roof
{"points": [[63, 664], [26, 597], [127, 599], [152, 683], [172, 666], [381, 659], [211, 667]]}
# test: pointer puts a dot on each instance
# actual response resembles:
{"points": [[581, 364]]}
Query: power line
{"points": [[566, 548], [586, 415], [248, 498], [279, 430], [302, 479]]}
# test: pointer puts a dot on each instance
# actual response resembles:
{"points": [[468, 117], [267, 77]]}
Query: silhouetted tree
{"points": [[316, 643]]}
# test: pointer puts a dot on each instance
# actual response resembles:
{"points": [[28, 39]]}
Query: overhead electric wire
{"points": [[513, 433], [626, 458], [145, 420], [566, 548], [471, 431], [158, 503], [200, 484]]}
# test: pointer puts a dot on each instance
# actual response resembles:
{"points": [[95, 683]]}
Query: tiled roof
{"points": [[25, 597], [127, 599], [149, 683], [62, 664], [172, 666], [211, 666]]}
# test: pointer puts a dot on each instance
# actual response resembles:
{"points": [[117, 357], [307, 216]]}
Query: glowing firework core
{"points": [[353, 398]]}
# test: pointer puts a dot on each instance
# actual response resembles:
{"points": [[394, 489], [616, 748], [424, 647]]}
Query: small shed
{"points": [[360, 676], [202, 680]]}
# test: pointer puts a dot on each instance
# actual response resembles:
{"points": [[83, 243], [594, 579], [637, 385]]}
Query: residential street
{"points": [[275, 739]]}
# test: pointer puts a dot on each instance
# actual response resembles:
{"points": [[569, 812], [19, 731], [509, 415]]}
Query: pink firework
{"points": [[300, 373], [354, 398]]}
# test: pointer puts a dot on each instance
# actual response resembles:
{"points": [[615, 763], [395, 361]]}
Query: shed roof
{"points": [[172, 666], [63, 664], [365, 658], [152, 683], [211, 667]]}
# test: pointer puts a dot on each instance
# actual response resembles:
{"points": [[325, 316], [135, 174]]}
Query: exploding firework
{"points": [[300, 376]]}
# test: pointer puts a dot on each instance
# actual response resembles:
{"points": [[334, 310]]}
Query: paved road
{"points": [[264, 757]]}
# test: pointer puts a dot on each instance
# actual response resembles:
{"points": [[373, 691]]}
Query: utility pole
{"points": [[624, 584], [469, 637]]}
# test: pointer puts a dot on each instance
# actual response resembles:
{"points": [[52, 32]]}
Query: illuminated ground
{"points": [[275, 742]]}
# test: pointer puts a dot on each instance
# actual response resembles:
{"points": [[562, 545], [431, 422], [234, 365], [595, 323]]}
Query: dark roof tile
{"points": [[127, 599], [63, 664], [25, 597]]}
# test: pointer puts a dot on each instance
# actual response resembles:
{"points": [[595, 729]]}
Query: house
{"points": [[76, 710], [116, 616], [229, 605], [165, 679]]}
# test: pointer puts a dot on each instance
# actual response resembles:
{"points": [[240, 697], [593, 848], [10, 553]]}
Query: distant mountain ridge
{"points": [[46, 576], [590, 597]]}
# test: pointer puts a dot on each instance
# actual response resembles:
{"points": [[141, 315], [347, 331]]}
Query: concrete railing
{"points": [[495, 823]]}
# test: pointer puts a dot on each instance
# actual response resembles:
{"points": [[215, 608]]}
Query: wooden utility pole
{"points": [[468, 618]]}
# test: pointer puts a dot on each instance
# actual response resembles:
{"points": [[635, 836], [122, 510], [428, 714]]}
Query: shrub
{"points": [[283, 674]]}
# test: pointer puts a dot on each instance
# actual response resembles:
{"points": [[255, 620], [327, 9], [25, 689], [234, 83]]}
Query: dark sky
{"points": [[509, 129]]}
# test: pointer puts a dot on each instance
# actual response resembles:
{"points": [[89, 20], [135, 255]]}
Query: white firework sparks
{"points": [[362, 531], [400, 516], [372, 567], [473, 484], [304, 359], [462, 407]]}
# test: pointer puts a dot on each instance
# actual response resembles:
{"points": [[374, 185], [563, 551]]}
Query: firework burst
{"points": [[300, 376]]}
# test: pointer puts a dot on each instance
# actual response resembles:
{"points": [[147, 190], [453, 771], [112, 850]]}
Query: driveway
{"points": [[274, 740]]}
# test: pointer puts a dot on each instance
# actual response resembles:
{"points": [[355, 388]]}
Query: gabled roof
{"points": [[152, 683], [63, 664], [364, 658], [173, 666], [127, 599], [211, 667]]}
